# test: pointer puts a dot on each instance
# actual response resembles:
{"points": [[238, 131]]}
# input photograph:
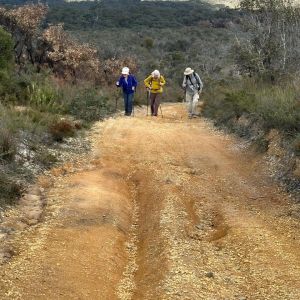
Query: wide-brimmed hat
{"points": [[125, 71], [188, 71], [156, 73]]}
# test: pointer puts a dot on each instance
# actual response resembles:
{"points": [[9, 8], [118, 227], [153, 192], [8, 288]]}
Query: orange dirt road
{"points": [[166, 208]]}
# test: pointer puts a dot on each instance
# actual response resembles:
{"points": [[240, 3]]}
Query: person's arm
{"points": [[134, 83], [147, 82], [200, 82], [119, 82], [162, 81], [184, 82]]}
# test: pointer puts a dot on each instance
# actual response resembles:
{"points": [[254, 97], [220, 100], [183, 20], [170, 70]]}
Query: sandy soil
{"points": [[166, 208]]}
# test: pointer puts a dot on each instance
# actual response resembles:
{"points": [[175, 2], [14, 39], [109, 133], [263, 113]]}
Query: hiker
{"points": [[129, 83], [192, 85], [154, 84]]}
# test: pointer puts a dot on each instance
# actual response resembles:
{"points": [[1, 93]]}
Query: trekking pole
{"points": [[161, 111], [117, 98], [147, 102], [184, 97], [148, 98], [133, 107]]}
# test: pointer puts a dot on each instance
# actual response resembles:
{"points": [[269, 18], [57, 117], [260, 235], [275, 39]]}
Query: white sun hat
{"points": [[188, 71], [125, 71], [156, 73]]}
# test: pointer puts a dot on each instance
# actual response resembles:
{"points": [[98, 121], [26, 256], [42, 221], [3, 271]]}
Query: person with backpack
{"points": [[128, 83], [154, 83], [193, 86]]}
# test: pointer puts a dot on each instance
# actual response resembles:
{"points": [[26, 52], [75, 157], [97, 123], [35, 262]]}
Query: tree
{"points": [[69, 58], [6, 50], [6, 61], [23, 23], [272, 47]]}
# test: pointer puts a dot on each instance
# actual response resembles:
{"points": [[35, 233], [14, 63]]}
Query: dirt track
{"points": [[166, 209]]}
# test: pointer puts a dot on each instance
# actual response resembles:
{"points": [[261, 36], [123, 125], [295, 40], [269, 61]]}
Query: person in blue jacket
{"points": [[129, 83]]}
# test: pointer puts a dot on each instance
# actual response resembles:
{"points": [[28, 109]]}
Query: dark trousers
{"points": [[128, 103], [154, 102]]}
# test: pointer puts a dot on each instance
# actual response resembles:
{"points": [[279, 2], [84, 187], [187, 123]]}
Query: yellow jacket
{"points": [[155, 85]]}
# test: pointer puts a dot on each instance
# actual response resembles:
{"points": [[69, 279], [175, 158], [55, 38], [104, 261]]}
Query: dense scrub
{"points": [[168, 50], [134, 14], [37, 113], [274, 106]]}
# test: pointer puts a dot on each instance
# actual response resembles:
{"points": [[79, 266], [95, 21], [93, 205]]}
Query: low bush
{"points": [[89, 105], [10, 189], [275, 106], [44, 98], [296, 144], [7, 144], [45, 158], [61, 129], [279, 108]]}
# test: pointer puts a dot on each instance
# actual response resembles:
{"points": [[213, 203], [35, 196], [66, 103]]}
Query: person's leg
{"points": [[189, 102], [129, 105], [125, 103], [152, 100], [194, 104], [156, 104]]}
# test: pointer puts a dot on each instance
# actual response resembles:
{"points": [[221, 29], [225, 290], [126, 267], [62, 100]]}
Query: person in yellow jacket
{"points": [[154, 83]]}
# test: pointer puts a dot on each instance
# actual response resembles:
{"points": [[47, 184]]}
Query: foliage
{"points": [[274, 106], [6, 50], [171, 53], [23, 23], [134, 14], [272, 48], [43, 98], [148, 43], [27, 17], [53, 47], [111, 68], [10, 190], [61, 129], [70, 58], [89, 105], [7, 144]]}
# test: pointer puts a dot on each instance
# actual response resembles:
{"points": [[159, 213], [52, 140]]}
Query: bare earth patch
{"points": [[165, 208]]}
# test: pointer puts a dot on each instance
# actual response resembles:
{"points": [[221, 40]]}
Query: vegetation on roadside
{"points": [[40, 106], [68, 56], [263, 96]]}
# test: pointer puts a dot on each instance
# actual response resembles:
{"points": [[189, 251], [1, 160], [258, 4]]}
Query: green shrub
{"points": [[279, 108], [148, 43], [276, 106], [89, 105], [6, 50], [44, 98]]}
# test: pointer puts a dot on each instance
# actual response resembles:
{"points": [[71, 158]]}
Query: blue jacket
{"points": [[127, 86]]}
